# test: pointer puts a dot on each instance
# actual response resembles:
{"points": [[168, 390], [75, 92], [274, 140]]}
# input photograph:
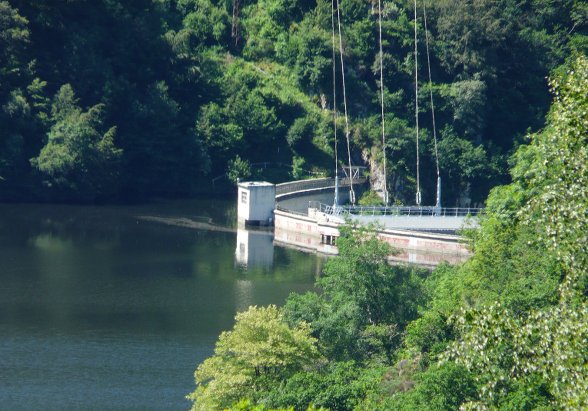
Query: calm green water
{"points": [[102, 309]]}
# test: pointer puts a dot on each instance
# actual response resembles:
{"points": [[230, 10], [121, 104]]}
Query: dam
{"points": [[303, 216]]}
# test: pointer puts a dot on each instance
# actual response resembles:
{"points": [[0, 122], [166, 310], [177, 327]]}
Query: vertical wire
{"points": [[334, 86], [416, 99], [351, 192], [431, 89], [382, 98]]}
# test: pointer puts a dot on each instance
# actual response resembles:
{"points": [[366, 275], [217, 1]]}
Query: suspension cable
{"points": [[416, 99], [351, 192], [431, 88], [382, 100], [335, 103]]}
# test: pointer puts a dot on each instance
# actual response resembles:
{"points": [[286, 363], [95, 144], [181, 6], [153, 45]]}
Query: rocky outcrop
{"points": [[372, 157]]}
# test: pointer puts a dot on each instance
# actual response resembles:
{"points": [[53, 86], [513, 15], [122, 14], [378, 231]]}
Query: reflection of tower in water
{"points": [[255, 249]]}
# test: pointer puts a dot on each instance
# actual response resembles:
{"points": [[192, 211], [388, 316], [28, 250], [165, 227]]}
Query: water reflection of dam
{"points": [[255, 249]]}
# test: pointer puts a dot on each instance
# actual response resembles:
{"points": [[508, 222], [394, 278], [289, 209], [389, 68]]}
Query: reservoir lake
{"points": [[113, 307]]}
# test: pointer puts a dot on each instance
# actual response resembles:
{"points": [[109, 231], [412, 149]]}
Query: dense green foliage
{"points": [[201, 90], [365, 302], [259, 352], [515, 316], [78, 158], [505, 330]]}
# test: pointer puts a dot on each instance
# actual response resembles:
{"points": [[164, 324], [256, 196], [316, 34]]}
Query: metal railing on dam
{"points": [[313, 184], [405, 211]]}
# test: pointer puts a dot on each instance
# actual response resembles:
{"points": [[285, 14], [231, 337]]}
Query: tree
{"points": [[14, 49], [443, 387], [470, 32], [461, 163], [468, 103], [537, 359], [205, 22], [338, 386], [307, 48], [542, 351], [23, 103], [260, 352], [79, 158], [519, 335], [559, 174], [365, 303], [238, 169], [246, 405]]}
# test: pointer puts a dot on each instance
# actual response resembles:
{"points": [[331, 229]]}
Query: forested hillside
{"points": [[111, 99], [506, 330]]}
